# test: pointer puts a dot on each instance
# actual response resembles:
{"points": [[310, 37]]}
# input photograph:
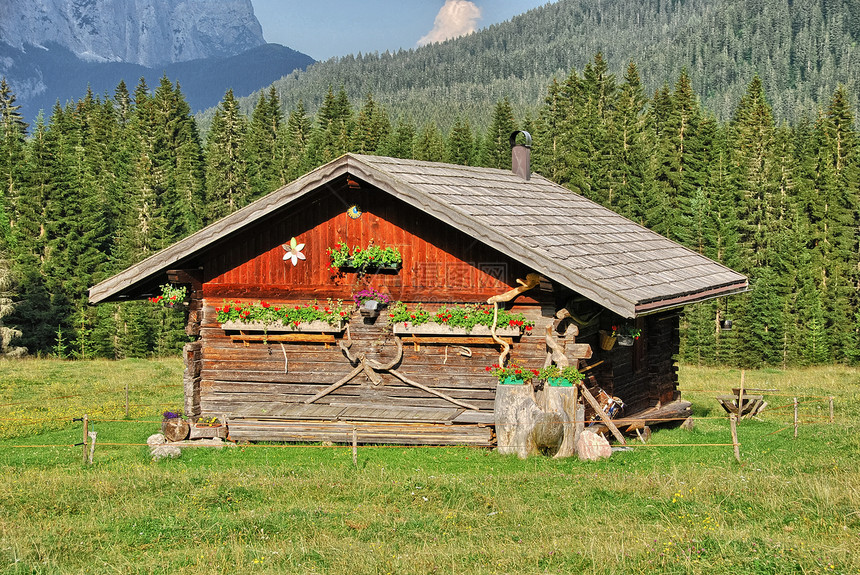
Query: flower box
{"points": [[625, 340], [208, 431], [349, 267], [432, 328], [558, 382], [279, 327], [511, 381]]}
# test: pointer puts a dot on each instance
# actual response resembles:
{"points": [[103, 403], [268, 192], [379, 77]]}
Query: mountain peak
{"points": [[145, 32]]}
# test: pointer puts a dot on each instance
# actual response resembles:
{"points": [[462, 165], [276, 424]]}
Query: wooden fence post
{"points": [[126, 399], [354, 447], [741, 397], [733, 421], [795, 418], [831, 409], [92, 435], [86, 437]]}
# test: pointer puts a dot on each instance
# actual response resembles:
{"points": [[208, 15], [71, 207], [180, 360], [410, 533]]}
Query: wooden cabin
{"points": [[465, 234]]}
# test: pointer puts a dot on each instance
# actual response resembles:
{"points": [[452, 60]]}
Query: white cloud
{"points": [[456, 18]]}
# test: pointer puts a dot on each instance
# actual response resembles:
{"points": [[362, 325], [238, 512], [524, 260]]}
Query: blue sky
{"points": [[326, 28]]}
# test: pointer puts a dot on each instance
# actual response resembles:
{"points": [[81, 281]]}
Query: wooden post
{"points": [[733, 421], [741, 398], [354, 447], [92, 435], [579, 416], [831, 409], [126, 399], [795, 418], [86, 437]]}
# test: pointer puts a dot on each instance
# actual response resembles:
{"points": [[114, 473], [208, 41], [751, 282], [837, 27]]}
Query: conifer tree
{"points": [[260, 150], [680, 151], [596, 161], [842, 269], [13, 130], [371, 127], [429, 144], [291, 145], [461, 143], [752, 138], [547, 153], [496, 151], [330, 137], [226, 172], [400, 141], [179, 157], [7, 307], [631, 141]]}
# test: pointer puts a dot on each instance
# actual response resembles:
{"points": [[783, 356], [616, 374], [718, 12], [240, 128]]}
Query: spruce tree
{"points": [[461, 143], [371, 127], [631, 142], [13, 131], [400, 141], [429, 144], [752, 139], [226, 172], [680, 153], [496, 151], [291, 145], [260, 150], [330, 137]]}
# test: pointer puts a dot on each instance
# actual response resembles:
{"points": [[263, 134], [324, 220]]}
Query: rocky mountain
{"points": [[53, 50], [146, 32]]}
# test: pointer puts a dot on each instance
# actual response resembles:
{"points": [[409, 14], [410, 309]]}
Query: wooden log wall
{"points": [[645, 374], [250, 382]]}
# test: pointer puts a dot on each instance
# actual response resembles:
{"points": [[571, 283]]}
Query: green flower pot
{"points": [[511, 381], [558, 382]]}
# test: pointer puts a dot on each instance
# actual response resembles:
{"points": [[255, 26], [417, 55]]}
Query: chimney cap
{"points": [[521, 155], [514, 135]]}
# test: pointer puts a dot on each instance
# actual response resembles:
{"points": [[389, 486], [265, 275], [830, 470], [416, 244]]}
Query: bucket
{"points": [[607, 341]]}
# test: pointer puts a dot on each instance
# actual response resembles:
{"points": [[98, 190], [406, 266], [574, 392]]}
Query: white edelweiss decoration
{"points": [[294, 251]]}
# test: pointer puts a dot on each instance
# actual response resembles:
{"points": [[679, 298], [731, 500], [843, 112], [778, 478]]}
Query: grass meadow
{"points": [[680, 504]]}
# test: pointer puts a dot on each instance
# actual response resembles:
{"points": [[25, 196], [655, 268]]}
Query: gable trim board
{"points": [[563, 236]]}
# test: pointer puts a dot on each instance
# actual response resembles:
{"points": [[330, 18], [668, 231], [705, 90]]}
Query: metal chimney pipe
{"points": [[521, 155]]}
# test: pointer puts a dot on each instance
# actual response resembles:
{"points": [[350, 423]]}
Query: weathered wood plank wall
{"points": [[439, 262]]}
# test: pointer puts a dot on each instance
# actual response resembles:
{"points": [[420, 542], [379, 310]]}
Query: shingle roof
{"points": [[560, 234]]}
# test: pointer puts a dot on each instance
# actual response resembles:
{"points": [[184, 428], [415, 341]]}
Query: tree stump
{"points": [[563, 401], [175, 429], [527, 424], [516, 414]]}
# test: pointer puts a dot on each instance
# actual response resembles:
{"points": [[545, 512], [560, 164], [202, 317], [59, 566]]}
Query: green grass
{"points": [[792, 506]]}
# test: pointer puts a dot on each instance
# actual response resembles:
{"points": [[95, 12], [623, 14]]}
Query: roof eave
{"points": [[665, 304]]}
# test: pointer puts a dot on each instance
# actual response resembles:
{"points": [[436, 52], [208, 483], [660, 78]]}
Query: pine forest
{"points": [[106, 181]]}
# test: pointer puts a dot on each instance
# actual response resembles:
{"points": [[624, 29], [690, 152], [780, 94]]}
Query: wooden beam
{"points": [[193, 277], [285, 337], [455, 340], [599, 410]]}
